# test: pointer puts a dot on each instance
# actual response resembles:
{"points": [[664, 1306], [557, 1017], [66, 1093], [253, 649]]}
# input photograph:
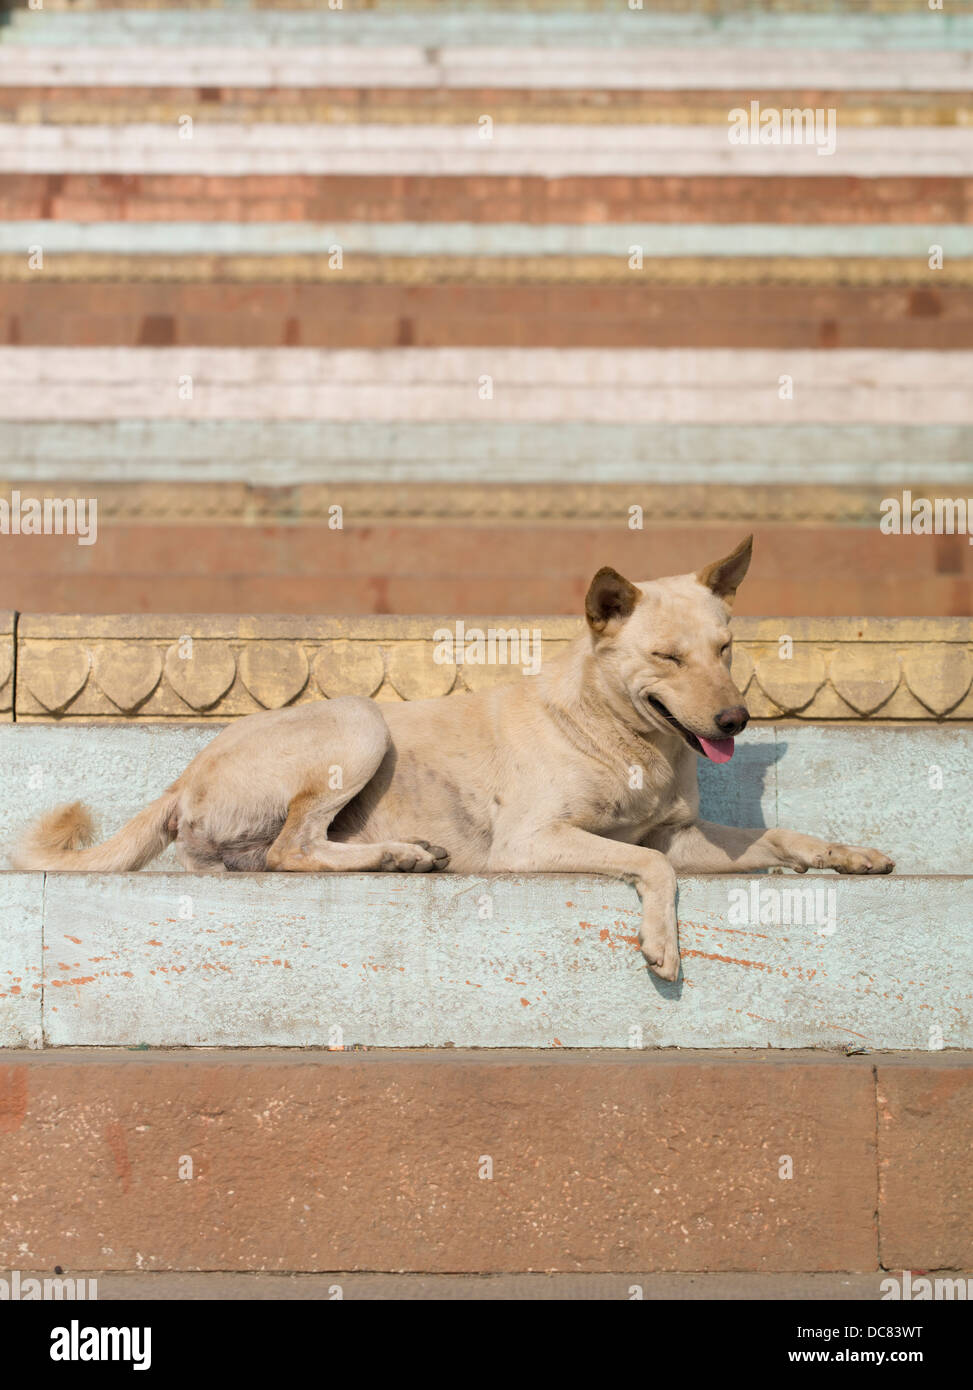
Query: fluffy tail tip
{"points": [[66, 828]]}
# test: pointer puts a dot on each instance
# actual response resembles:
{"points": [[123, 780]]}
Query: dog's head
{"points": [[665, 646]]}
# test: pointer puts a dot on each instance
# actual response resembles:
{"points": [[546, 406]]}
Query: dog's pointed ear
{"points": [[725, 576], [610, 598]]}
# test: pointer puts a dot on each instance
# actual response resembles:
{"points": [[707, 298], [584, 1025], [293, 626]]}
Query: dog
{"points": [[589, 766]]}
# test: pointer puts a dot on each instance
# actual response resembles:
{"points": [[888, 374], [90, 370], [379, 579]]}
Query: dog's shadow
{"points": [[742, 797], [741, 791]]}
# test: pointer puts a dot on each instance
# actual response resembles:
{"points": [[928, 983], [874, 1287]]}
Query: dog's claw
{"points": [[662, 960], [440, 855], [849, 859]]}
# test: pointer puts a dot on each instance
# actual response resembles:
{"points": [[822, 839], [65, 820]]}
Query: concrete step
{"points": [[505, 961], [903, 789], [436, 28], [478, 1288], [287, 452], [163, 958], [451, 1162]]}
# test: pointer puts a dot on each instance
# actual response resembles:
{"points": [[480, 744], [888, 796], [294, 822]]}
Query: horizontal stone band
{"points": [[477, 26], [195, 503], [491, 385], [336, 105], [297, 960], [286, 453], [686, 7], [787, 199], [333, 1161], [665, 69], [121, 668], [521, 241], [550, 151], [67, 267]]}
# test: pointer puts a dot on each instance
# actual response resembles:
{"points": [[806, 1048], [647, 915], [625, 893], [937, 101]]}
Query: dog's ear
{"points": [[724, 577], [610, 597]]}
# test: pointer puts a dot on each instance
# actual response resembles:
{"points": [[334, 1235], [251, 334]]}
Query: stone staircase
{"points": [[318, 197], [491, 281]]}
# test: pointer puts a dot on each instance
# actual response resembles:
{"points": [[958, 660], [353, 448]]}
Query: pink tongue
{"points": [[718, 750]]}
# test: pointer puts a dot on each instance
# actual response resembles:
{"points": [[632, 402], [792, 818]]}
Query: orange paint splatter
{"points": [[730, 960]]}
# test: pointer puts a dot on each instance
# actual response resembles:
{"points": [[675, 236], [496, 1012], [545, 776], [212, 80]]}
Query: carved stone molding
{"points": [[191, 503], [185, 667]]}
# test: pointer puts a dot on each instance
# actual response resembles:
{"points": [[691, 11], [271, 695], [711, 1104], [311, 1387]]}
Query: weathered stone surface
{"points": [[880, 669], [416, 674], [342, 667], [127, 672], [925, 1135], [275, 673], [863, 682], [21, 978], [544, 960], [479, 1288], [792, 682], [201, 675], [938, 674], [54, 672], [115, 770], [447, 1161], [905, 790]]}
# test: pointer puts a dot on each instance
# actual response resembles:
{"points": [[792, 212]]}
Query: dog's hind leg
{"points": [[303, 845]]}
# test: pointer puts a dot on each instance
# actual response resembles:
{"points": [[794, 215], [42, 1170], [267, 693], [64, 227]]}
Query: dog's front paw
{"points": [[660, 947], [848, 859]]}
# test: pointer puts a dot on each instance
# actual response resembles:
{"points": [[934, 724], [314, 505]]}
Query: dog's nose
{"points": [[732, 721]]}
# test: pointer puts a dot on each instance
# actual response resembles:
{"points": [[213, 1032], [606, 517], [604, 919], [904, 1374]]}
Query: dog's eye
{"points": [[668, 656]]}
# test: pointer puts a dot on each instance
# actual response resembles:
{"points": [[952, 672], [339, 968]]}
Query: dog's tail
{"points": [[58, 839]]}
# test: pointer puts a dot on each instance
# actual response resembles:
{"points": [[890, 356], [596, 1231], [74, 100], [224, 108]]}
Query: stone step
{"points": [[434, 28], [454, 1162], [549, 150], [541, 961], [232, 8], [905, 790], [490, 240], [706, 66], [292, 452]]}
